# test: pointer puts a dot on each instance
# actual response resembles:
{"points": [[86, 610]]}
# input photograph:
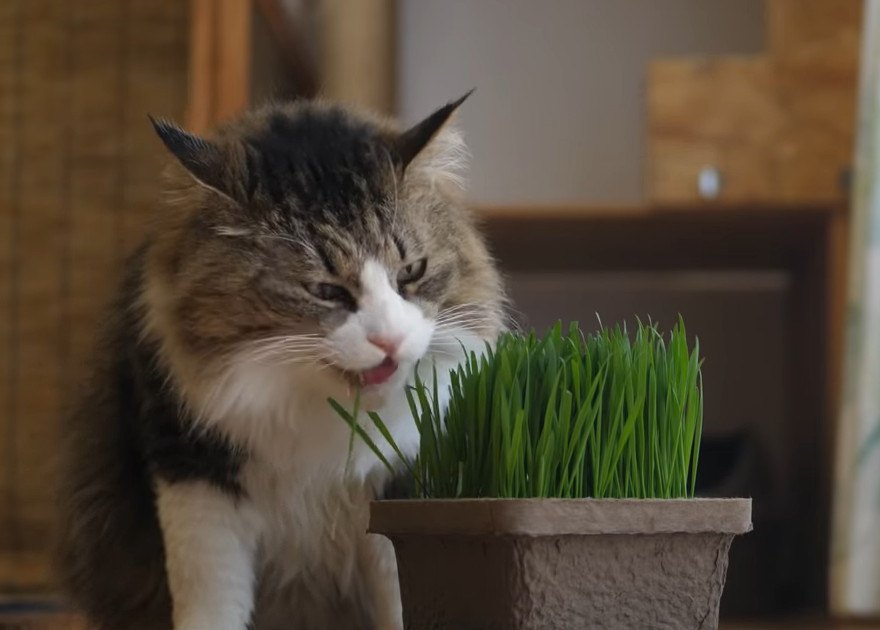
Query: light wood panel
{"points": [[220, 58], [778, 126], [814, 35], [357, 62], [724, 113], [814, 45]]}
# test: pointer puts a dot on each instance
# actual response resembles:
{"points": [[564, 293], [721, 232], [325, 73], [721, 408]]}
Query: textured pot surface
{"points": [[547, 563]]}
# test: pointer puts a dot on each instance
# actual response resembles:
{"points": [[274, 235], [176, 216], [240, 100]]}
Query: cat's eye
{"points": [[412, 272], [331, 293]]}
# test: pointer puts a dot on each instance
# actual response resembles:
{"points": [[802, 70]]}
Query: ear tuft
{"points": [[202, 158], [412, 141]]}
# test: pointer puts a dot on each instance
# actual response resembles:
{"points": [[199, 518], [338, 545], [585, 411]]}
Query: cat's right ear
{"points": [[201, 158], [412, 141]]}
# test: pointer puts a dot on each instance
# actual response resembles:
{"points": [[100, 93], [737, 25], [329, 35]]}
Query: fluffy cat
{"points": [[307, 252]]}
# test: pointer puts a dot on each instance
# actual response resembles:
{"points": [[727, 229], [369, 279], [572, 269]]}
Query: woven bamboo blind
{"points": [[78, 174]]}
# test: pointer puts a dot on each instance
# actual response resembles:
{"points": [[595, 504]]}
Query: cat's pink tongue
{"points": [[380, 373]]}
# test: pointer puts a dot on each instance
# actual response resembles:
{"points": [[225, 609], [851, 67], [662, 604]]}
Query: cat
{"points": [[305, 252]]}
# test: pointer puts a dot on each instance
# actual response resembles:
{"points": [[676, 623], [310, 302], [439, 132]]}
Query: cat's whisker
{"points": [[452, 336], [280, 237], [290, 342], [460, 306], [291, 353], [458, 309], [453, 348], [464, 306], [468, 324], [288, 347], [276, 350], [459, 317], [459, 314], [462, 327], [462, 313], [281, 355], [445, 353], [288, 339], [280, 349]]}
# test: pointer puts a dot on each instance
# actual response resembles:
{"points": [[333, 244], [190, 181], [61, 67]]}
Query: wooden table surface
{"points": [[65, 621], [41, 621]]}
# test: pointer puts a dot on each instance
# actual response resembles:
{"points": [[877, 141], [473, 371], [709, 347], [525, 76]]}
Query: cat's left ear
{"points": [[202, 158], [412, 141]]}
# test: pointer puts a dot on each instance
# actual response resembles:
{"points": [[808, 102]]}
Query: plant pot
{"points": [[516, 564]]}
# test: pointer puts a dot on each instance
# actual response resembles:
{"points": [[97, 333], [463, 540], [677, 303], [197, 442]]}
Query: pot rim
{"points": [[560, 517]]}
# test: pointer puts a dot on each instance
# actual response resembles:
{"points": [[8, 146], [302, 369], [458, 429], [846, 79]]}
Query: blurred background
{"points": [[714, 158]]}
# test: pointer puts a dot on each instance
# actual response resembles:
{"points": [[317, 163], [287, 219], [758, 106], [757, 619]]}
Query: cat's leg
{"points": [[378, 567], [210, 547]]}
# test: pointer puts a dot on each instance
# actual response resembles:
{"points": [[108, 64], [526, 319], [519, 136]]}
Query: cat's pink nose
{"points": [[388, 345]]}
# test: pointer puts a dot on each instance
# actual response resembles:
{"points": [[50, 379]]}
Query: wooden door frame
{"points": [[220, 61]]}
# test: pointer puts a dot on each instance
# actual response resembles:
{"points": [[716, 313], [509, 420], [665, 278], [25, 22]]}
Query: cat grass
{"points": [[564, 415]]}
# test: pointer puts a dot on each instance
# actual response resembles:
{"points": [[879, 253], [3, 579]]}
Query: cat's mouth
{"points": [[376, 375]]}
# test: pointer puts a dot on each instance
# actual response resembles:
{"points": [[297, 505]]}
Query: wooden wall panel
{"points": [[79, 173], [779, 126], [38, 271], [9, 133], [713, 112], [814, 45], [814, 35], [159, 89], [96, 167]]}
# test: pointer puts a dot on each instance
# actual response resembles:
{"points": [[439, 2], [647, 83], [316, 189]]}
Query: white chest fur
{"points": [[309, 484], [303, 516]]}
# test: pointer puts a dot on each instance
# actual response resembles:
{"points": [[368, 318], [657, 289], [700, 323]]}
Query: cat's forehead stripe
{"points": [[401, 248], [326, 259], [321, 162]]}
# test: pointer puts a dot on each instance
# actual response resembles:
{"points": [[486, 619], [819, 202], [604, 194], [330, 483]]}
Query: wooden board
{"points": [[815, 47], [42, 621], [723, 113], [779, 126], [814, 35], [775, 136], [220, 58]]}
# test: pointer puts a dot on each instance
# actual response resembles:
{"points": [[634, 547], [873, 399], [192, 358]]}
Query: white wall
{"points": [[558, 116]]}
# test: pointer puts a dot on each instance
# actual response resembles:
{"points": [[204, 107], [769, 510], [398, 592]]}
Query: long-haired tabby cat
{"points": [[305, 252]]}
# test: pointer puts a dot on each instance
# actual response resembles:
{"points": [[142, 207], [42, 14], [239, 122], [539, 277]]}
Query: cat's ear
{"points": [[412, 141], [201, 158]]}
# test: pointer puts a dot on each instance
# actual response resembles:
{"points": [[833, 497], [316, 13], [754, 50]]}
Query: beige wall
{"points": [[558, 115]]}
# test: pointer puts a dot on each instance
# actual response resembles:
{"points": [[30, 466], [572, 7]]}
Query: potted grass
{"points": [[556, 491]]}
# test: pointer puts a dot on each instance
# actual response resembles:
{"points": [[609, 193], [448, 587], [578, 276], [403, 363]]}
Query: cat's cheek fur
{"points": [[210, 542]]}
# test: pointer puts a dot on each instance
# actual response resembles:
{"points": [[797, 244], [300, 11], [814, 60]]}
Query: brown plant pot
{"points": [[517, 564]]}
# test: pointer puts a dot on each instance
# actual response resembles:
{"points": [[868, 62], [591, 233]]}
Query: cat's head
{"points": [[305, 234]]}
